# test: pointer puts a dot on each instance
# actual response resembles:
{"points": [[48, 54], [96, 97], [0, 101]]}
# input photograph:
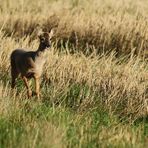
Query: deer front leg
{"points": [[29, 92], [37, 87]]}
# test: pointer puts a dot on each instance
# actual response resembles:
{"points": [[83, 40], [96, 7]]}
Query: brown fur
{"points": [[29, 64]]}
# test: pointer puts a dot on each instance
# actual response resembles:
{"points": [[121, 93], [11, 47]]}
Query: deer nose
{"points": [[48, 45]]}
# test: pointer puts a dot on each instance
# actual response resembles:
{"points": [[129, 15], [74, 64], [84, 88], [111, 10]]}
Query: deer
{"points": [[29, 64]]}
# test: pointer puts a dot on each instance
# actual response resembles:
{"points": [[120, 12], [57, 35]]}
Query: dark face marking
{"points": [[45, 40]]}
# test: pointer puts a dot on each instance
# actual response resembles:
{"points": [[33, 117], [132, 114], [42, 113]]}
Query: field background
{"points": [[95, 82]]}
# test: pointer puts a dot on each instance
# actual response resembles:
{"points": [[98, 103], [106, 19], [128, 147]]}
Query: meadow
{"points": [[95, 83]]}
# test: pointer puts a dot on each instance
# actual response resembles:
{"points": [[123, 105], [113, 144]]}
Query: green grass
{"points": [[39, 124]]}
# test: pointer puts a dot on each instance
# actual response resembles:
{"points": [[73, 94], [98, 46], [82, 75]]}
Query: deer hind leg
{"points": [[14, 75], [13, 82], [29, 92], [37, 87]]}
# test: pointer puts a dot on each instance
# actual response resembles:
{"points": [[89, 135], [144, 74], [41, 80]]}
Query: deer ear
{"points": [[51, 33]]}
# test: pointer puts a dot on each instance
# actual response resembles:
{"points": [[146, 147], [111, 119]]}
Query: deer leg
{"points": [[37, 87], [29, 92], [14, 75]]}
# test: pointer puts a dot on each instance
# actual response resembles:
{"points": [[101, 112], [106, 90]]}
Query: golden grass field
{"points": [[95, 82]]}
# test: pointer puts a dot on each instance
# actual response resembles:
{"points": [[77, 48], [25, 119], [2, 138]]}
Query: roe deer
{"points": [[29, 64]]}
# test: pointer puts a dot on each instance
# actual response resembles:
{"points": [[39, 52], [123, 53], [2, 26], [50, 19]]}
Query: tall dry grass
{"points": [[119, 84]]}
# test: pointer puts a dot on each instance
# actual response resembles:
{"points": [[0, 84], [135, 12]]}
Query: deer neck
{"points": [[40, 49]]}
